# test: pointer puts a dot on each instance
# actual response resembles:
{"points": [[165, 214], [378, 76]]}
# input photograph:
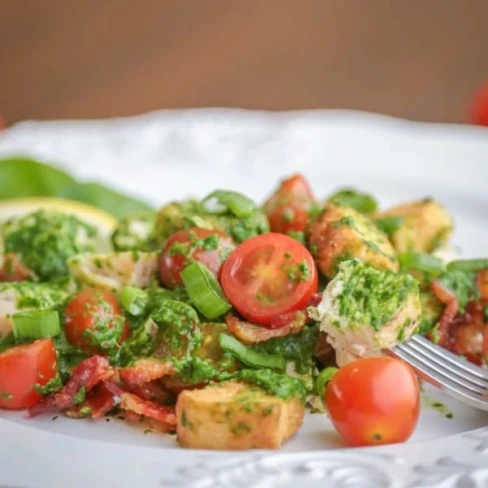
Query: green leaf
{"points": [[23, 177], [112, 201]]}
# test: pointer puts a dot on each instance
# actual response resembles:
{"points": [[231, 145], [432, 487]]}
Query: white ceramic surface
{"points": [[174, 154]]}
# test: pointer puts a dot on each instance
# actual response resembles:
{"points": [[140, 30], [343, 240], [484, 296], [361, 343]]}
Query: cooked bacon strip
{"points": [[251, 334], [449, 299], [153, 391], [482, 283], [144, 371], [13, 269], [132, 403], [98, 403], [87, 374]]}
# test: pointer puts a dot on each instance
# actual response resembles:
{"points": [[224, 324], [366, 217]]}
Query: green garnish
{"points": [[389, 225], [468, 265], [36, 324], [223, 201], [205, 291], [349, 197], [134, 300], [323, 379], [420, 261], [249, 357]]}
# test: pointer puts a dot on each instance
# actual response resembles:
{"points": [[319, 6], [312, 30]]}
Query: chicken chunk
{"points": [[16, 297], [234, 415], [426, 226], [364, 310], [114, 270], [342, 233]]}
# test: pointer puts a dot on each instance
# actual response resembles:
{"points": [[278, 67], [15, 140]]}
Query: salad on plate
{"points": [[223, 320]]}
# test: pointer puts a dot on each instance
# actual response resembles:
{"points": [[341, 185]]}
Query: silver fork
{"points": [[443, 369]]}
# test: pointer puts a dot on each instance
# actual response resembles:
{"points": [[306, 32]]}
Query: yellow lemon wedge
{"points": [[101, 220]]}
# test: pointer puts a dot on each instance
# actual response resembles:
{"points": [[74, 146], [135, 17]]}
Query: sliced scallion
{"points": [[253, 359], [134, 300], [468, 264], [323, 378], [421, 261], [205, 291], [36, 324], [222, 201]]}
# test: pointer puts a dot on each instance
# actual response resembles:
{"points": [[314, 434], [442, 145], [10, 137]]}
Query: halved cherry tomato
{"points": [[289, 207], [209, 247], [96, 311], [23, 367], [479, 111], [269, 275], [373, 401]]}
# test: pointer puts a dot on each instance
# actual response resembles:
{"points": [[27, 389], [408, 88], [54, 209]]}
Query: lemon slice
{"points": [[101, 220]]}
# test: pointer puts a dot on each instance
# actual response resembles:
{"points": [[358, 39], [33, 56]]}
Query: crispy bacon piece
{"points": [[252, 334], [144, 371], [153, 391], [87, 374], [13, 269], [98, 403], [449, 299], [482, 283], [132, 403]]}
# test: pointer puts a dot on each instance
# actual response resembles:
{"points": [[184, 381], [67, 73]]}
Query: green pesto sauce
{"points": [[436, 405], [135, 233], [38, 296], [44, 240], [181, 215], [296, 347], [279, 385], [370, 296]]}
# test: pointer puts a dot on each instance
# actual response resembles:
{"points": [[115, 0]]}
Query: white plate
{"points": [[174, 154]]}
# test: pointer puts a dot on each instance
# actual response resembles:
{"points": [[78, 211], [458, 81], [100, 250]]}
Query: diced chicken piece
{"points": [[364, 310], [426, 226], [16, 297], [114, 270], [341, 233], [233, 416]]}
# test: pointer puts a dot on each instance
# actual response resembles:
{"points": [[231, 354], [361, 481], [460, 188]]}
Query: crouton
{"points": [[234, 415]]}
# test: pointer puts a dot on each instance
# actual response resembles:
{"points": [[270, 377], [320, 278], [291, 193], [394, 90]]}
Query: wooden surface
{"points": [[97, 58]]}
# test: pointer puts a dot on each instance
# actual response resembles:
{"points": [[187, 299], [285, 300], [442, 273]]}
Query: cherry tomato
{"points": [[210, 247], [289, 206], [479, 112], [269, 275], [23, 367], [373, 401], [96, 311]]}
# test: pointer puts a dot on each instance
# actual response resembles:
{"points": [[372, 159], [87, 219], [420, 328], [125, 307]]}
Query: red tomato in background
{"points": [[374, 401], [23, 367], [89, 309], [269, 275], [289, 206], [209, 247], [479, 112]]}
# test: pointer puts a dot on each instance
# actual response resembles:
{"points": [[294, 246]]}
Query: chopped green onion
{"points": [[134, 300], [348, 197], [222, 201], [421, 261], [389, 225], [36, 324], [468, 264], [204, 291], [323, 378], [249, 357]]}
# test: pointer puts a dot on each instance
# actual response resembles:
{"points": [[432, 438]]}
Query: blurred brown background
{"points": [[97, 58]]}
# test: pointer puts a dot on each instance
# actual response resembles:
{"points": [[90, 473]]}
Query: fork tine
{"points": [[438, 363], [438, 372], [444, 383], [450, 357]]}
